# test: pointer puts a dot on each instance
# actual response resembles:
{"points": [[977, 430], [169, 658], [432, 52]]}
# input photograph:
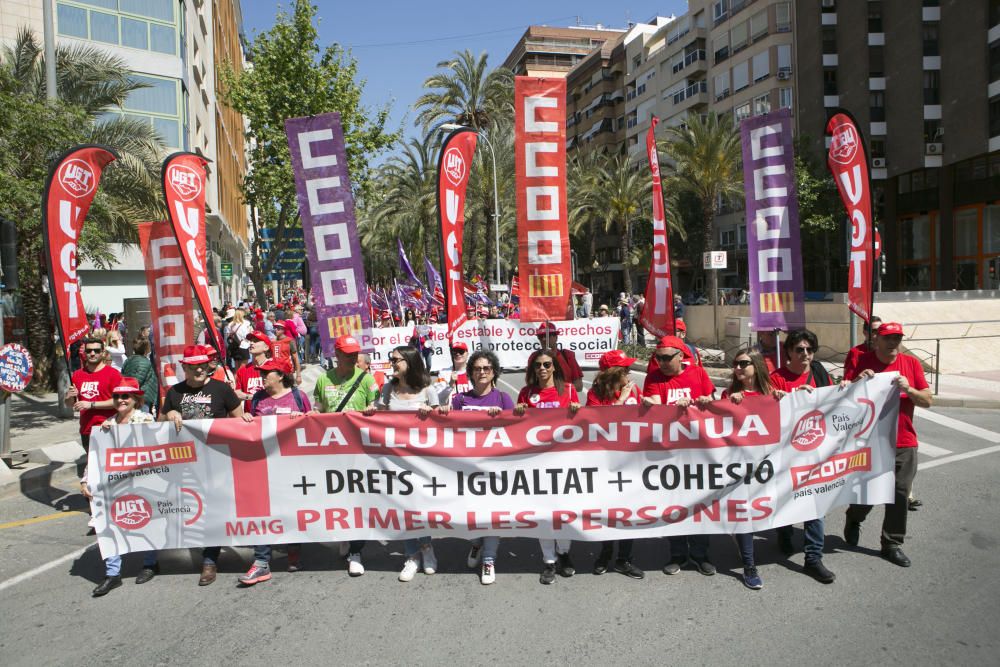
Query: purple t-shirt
{"points": [[284, 405], [468, 400]]}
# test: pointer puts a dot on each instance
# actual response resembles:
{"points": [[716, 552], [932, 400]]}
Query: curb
{"points": [[951, 402], [36, 479]]}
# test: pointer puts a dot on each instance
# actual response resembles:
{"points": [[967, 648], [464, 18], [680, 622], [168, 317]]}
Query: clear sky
{"points": [[397, 43]]}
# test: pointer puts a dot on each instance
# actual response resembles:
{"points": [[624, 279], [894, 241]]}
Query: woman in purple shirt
{"points": [[484, 369]]}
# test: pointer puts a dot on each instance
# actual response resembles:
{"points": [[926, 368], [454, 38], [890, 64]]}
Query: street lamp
{"points": [[449, 127]]}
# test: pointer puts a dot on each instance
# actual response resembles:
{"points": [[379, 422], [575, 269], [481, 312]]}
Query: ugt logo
{"points": [[654, 161], [843, 144], [185, 181], [77, 177], [809, 432], [131, 512], [454, 166]]}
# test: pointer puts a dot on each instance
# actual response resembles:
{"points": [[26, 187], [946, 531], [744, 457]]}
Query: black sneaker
{"points": [[913, 504], [673, 567], [146, 574], [852, 532], [896, 556], [566, 568], [601, 564], [818, 571], [548, 575], [629, 570], [751, 579], [106, 586], [704, 566]]}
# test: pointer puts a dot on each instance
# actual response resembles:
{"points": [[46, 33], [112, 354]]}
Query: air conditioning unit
{"points": [[783, 75], [934, 148], [878, 163], [829, 4]]}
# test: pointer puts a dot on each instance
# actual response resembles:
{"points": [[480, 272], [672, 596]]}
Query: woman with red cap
{"points": [[284, 346], [127, 397], [613, 386]]}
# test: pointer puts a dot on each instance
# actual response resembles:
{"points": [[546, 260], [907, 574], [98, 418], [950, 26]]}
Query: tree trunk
{"points": [[38, 323], [626, 260], [713, 275]]}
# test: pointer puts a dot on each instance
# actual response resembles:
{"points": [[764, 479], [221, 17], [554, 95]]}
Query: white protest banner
{"points": [[605, 473], [512, 341]]}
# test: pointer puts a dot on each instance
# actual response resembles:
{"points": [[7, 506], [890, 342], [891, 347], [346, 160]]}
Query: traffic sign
{"points": [[714, 260], [227, 270]]}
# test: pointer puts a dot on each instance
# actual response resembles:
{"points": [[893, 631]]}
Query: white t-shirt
{"points": [[389, 400]]}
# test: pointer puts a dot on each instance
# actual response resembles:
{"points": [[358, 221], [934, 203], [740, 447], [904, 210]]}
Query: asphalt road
{"points": [[942, 610]]}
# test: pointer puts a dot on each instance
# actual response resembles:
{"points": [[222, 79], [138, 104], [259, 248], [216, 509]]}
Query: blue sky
{"points": [[398, 43]]}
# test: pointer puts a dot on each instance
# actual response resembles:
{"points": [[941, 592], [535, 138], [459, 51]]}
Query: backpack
{"points": [[262, 394]]}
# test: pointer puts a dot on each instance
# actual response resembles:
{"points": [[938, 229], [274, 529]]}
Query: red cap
{"points": [[615, 358], [281, 323], [347, 345], [278, 306], [546, 328], [258, 335], [280, 365], [460, 346], [195, 354], [128, 386], [680, 326], [676, 343], [890, 329]]}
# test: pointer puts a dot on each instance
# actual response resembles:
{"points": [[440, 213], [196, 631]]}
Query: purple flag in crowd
{"points": [[777, 298], [404, 265], [326, 206], [434, 285]]}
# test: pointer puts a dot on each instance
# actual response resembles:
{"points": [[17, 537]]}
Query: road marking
{"points": [[37, 519], [954, 458], [932, 450], [968, 429], [512, 387], [14, 581]]}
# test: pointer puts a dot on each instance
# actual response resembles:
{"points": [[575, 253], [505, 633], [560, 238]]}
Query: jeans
{"points": [[356, 546], [894, 523], [814, 537], [490, 545], [688, 546], [113, 564], [624, 548], [262, 553], [314, 343], [413, 545], [745, 542], [428, 354], [210, 555], [552, 547]]}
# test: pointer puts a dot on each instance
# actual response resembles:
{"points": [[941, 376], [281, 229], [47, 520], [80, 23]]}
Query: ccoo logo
{"points": [[77, 178], [843, 144], [185, 181], [131, 512], [809, 432], [454, 166]]}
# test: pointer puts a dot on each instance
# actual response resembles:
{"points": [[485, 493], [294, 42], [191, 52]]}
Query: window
{"points": [[933, 132], [878, 147], [719, 10], [829, 81], [742, 235], [149, 25], [741, 76], [72, 21], [761, 105], [994, 12], [875, 17], [931, 40], [741, 112], [720, 86], [916, 238], [159, 105], [104, 27], [739, 37], [876, 105], [727, 237], [721, 46], [991, 229], [932, 87], [785, 98], [966, 232], [784, 58], [636, 61], [758, 25], [761, 66], [995, 61], [829, 37], [995, 117], [876, 61], [783, 17]]}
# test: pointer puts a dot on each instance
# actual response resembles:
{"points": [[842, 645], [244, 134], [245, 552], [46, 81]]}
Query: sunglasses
{"points": [[543, 364], [742, 363], [396, 360], [482, 369], [803, 350], [664, 358], [456, 352], [196, 367], [119, 397], [93, 350]]}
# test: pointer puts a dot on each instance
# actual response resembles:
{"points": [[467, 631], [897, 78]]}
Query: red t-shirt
{"points": [[785, 380], [692, 382], [249, 381], [96, 386], [634, 398], [534, 397], [853, 356], [570, 367], [909, 367], [745, 392], [282, 349]]}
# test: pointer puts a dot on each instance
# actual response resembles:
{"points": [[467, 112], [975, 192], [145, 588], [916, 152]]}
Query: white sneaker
{"points": [[409, 570], [487, 575], [354, 566], [475, 553], [343, 548], [430, 560]]}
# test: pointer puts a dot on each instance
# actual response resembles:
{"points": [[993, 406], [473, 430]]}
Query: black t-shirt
{"points": [[214, 400]]}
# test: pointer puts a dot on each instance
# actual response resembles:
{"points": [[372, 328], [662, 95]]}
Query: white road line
{"points": [[512, 387], [954, 458], [968, 429], [14, 581], [932, 450]]}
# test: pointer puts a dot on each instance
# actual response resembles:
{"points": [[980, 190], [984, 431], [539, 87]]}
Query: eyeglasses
{"points": [[93, 350], [455, 352], [482, 369], [803, 350], [119, 397], [543, 364], [196, 367], [396, 360], [665, 358], [742, 363]]}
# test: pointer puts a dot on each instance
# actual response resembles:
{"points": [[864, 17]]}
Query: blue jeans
{"points": [[745, 542], [113, 564], [814, 537], [210, 555], [413, 545], [262, 553], [490, 545], [688, 546]]}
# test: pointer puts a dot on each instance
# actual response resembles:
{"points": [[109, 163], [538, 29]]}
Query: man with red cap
{"points": [[914, 391], [674, 383], [248, 379], [284, 347], [198, 396], [548, 339]]}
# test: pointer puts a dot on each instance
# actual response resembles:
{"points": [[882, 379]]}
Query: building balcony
{"points": [[696, 93], [693, 62]]}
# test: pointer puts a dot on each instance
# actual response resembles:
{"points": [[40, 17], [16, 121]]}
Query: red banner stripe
{"points": [[454, 166], [658, 312]]}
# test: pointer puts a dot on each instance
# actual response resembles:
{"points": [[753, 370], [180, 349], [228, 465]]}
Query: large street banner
{"points": [[454, 167], [774, 248], [848, 162], [184, 189], [540, 180], [69, 191], [512, 341], [658, 314], [326, 207], [602, 474], [170, 302]]}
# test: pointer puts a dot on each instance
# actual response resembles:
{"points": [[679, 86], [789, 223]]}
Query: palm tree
{"points": [[92, 85], [707, 153], [466, 94]]}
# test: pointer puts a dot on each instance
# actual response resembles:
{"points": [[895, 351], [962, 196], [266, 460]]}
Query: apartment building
{"points": [[552, 52], [923, 80], [175, 47]]}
